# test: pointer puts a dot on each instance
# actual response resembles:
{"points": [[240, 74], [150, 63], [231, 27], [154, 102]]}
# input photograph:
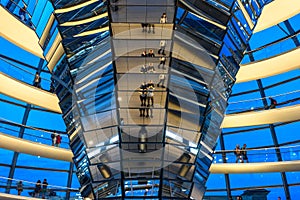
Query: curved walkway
{"points": [[33, 148], [28, 147], [74, 7], [4, 196], [19, 34], [29, 94], [276, 12], [240, 168], [252, 118], [269, 67]]}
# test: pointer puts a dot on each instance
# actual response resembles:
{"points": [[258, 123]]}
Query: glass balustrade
{"points": [[32, 134], [289, 153], [20, 11], [274, 49], [27, 189], [283, 100]]}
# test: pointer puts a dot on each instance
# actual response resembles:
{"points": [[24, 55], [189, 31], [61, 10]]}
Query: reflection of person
{"points": [[143, 69], [150, 96], [153, 29], [244, 153], [162, 62], [162, 78], [144, 26], [143, 99], [162, 45], [144, 54], [151, 53], [151, 68], [163, 18]]}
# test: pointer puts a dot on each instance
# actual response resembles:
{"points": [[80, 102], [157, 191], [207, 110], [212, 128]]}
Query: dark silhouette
{"points": [[273, 103]]}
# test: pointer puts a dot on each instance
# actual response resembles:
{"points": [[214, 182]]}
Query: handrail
{"points": [[274, 42], [283, 94], [283, 100], [33, 183], [16, 14], [256, 149], [257, 155]]}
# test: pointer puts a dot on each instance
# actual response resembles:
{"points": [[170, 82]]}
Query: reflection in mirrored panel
{"points": [[145, 66], [143, 13], [141, 48], [142, 31]]}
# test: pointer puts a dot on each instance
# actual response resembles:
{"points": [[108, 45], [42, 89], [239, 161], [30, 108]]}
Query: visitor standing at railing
{"points": [[22, 13], [238, 154], [20, 187], [244, 153], [273, 103], [44, 188]]}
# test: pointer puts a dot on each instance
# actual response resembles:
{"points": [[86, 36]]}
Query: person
{"points": [[150, 96], [144, 27], [52, 88], [162, 45], [143, 98], [53, 137], [144, 54], [273, 103], [151, 53], [151, 68], [150, 83], [279, 198], [144, 69], [163, 18], [22, 13], [238, 154], [44, 190], [239, 198], [58, 140], [143, 87], [244, 153], [162, 78], [149, 30], [38, 187], [20, 187], [37, 80], [162, 62]]}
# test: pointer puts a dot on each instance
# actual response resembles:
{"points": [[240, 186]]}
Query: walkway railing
{"points": [[20, 11], [287, 153], [31, 133], [28, 189], [283, 100], [22, 73], [270, 50]]}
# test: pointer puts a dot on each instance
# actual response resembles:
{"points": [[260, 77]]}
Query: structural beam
{"points": [[276, 12], [262, 167], [19, 34], [254, 118], [28, 147], [29, 94], [269, 67], [4, 196]]}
